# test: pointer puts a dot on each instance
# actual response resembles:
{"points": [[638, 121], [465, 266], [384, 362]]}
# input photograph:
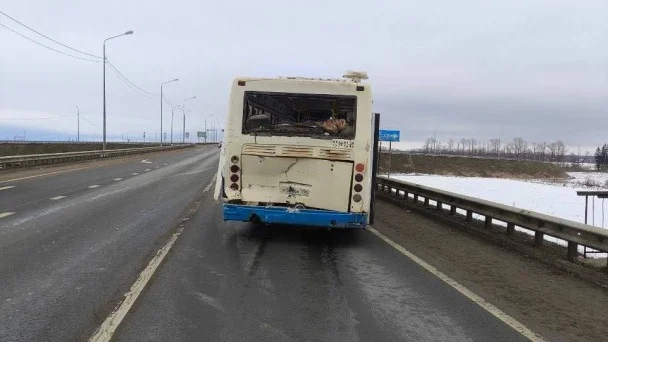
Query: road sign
{"points": [[201, 134], [389, 135], [187, 134]]}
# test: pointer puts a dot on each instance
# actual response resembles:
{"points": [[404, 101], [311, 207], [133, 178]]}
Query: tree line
{"points": [[517, 149]]}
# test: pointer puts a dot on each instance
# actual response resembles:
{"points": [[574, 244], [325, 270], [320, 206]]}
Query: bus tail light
{"points": [[359, 167], [357, 188], [359, 178], [357, 198]]}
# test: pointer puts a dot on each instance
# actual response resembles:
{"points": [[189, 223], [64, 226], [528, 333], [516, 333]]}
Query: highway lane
{"points": [[241, 282], [69, 180], [65, 262]]}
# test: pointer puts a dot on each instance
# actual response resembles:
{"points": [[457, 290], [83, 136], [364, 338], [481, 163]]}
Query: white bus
{"points": [[299, 151]]}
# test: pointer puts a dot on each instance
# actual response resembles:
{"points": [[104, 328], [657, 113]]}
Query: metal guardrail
{"points": [[53, 158], [572, 232]]}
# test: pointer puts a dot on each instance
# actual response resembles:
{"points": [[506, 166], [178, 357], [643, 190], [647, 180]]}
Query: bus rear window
{"points": [[300, 115]]}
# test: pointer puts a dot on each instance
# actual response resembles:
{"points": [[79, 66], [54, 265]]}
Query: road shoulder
{"points": [[556, 305]]}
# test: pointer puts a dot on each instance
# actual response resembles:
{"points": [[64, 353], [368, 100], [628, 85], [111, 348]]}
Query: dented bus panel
{"points": [[299, 151]]}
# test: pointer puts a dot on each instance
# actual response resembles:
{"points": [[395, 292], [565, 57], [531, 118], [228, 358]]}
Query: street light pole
{"points": [[78, 138], [161, 109], [206, 131], [129, 32], [184, 117]]}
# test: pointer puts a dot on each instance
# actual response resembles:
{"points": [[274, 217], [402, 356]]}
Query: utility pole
{"points": [[161, 109], [78, 140], [184, 118], [129, 32]]}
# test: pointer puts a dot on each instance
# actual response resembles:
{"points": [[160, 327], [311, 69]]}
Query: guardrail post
{"points": [[438, 205], [452, 210], [489, 222], [510, 228], [426, 202], [538, 238], [416, 198], [468, 216], [572, 250]]}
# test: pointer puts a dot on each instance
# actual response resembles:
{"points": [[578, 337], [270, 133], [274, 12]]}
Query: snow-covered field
{"points": [[552, 198]]}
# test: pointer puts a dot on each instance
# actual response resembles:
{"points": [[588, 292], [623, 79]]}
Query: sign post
{"points": [[389, 136]]}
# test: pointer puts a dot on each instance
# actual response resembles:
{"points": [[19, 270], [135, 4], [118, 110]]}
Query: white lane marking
{"points": [[6, 187], [147, 169], [165, 164], [118, 178], [57, 198], [94, 186], [2, 215], [145, 162], [54, 172], [490, 308], [134, 174], [109, 326]]}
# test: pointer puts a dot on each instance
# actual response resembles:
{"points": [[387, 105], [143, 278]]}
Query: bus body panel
{"points": [[317, 174]]}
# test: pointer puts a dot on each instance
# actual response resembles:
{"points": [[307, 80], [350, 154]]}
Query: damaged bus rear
{"points": [[299, 151]]}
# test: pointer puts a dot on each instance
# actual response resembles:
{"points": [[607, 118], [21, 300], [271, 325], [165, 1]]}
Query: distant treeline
{"points": [[517, 149]]}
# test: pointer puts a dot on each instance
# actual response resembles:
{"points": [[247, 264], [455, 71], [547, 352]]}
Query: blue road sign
{"points": [[389, 135]]}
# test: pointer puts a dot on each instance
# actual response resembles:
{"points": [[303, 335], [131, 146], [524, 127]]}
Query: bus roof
{"points": [[353, 78]]}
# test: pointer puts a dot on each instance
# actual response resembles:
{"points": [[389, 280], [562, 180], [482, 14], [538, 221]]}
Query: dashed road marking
{"points": [[40, 175], [2, 215], [94, 186], [490, 308], [6, 187], [57, 198], [147, 169], [134, 174], [118, 178]]}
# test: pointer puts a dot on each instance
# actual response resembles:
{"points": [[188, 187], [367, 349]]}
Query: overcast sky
{"points": [[474, 69]]}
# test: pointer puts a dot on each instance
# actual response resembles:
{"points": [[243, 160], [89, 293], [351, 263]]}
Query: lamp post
{"points": [[161, 109], [129, 32], [172, 125], [205, 131], [184, 117]]}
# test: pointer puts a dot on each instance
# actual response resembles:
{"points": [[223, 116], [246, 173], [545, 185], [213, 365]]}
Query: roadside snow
{"points": [[557, 199]]}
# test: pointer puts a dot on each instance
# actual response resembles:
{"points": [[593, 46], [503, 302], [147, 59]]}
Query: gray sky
{"points": [[476, 69]]}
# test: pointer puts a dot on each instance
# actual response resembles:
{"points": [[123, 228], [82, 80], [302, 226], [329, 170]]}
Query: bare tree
{"points": [[561, 150], [473, 146], [495, 146], [450, 145], [519, 146]]}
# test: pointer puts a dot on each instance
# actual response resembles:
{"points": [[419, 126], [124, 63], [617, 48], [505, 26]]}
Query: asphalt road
{"points": [[241, 282], [66, 262]]}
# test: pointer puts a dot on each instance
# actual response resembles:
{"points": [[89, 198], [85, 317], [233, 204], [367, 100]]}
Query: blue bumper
{"points": [[284, 215]]}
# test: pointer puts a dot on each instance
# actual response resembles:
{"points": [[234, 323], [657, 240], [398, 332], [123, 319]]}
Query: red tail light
{"points": [[359, 167]]}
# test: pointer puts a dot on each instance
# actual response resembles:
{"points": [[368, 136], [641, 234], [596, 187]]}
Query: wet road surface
{"points": [[242, 282]]}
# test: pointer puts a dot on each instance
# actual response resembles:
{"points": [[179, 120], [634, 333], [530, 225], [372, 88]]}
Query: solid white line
{"points": [[119, 178], [529, 334], [147, 169], [6, 187], [2, 215], [94, 186], [109, 326], [57, 198], [134, 174]]}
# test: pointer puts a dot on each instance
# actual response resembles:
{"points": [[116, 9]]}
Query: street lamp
{"points": [[184, 117], [161, 109], [172, 125], [205, 131], [129, 32]]}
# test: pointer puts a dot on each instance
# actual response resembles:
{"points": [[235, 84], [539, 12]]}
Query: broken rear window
{"points": [[301, 115]]}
